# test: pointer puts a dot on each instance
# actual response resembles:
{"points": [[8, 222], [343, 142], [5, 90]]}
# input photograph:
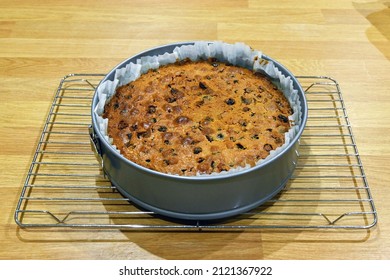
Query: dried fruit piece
{"points": [[197, 150], [283, 118], [268, 147], [230, 101], [202, 85]]}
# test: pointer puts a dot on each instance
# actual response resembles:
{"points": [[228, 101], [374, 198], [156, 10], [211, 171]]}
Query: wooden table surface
{"points": [[42, 41]]}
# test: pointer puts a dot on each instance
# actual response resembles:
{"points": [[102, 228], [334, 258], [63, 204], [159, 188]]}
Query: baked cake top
{"points": [[201, 117]]}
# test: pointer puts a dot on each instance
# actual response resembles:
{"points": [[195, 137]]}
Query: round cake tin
{"points": [[197, 197]]}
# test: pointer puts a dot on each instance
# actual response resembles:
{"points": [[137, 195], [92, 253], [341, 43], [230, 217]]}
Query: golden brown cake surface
{"points": [[200, 117]]}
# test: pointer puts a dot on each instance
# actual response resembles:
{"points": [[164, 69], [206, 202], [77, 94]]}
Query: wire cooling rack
{"points": [[65, 185]]}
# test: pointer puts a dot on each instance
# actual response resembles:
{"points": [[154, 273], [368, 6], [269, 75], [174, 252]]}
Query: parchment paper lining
{"points": [[237, 54]]}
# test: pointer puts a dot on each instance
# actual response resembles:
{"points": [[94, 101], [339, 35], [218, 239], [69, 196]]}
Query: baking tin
{"points": [[197, 197]]}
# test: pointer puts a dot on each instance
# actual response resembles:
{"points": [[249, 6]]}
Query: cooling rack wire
{"points": [[65, 185]]}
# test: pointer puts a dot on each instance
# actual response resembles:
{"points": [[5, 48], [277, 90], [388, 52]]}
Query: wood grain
{"points": [[42, 41]]}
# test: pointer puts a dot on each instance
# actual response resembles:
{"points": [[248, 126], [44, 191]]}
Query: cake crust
{"points": [[201, 117]]}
